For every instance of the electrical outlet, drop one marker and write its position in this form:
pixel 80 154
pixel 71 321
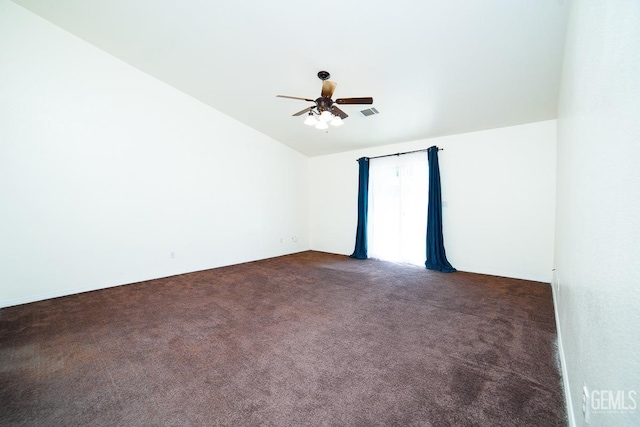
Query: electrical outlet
pixel 172 255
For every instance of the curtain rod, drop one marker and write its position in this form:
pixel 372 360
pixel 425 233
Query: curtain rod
pixel 399 154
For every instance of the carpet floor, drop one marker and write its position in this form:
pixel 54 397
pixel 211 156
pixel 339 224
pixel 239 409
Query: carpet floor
pixel 310 339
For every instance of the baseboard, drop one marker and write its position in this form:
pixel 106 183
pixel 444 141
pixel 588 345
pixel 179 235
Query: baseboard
pixel 531 278
pixel 50 295
pixel 65 292
pixel 563 364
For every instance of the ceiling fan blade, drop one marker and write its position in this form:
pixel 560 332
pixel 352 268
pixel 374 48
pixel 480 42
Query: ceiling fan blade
pixel 354 101
pixel 306 110
pixel 328 88
pixel 295 97
pixel 338 112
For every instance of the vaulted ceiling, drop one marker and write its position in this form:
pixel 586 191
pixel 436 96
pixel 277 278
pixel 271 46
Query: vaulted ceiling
pixel 433 67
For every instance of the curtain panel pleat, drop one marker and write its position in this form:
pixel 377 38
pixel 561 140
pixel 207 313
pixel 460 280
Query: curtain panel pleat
pixel 360 251
pixel 436 256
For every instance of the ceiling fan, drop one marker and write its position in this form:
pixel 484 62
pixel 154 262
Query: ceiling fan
pixel 324 107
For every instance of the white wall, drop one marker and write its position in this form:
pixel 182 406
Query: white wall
pixel 105 171
pixel 499 188
pixel 597 251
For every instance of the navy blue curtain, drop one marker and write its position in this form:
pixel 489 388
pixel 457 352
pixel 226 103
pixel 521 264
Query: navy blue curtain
pixel 436 257
pixel 360 251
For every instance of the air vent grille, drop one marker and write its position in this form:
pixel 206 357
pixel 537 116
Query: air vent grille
pixel 369 112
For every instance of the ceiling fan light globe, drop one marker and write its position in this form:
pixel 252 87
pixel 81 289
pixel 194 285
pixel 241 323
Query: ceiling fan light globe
pixel 337 121
pixel 326 116
pixel 322 125
pixel 310 120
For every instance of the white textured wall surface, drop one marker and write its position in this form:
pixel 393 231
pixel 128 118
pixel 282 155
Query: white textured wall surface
pixel 105 171
pixel 597 251
pixel 498 186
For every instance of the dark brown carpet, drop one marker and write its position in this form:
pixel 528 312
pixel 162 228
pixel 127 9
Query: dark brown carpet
pixel 310 339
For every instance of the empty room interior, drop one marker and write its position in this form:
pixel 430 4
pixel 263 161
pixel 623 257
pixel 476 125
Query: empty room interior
pixel 422 213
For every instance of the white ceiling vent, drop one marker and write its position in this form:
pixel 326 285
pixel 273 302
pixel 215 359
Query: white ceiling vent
pixel 369 112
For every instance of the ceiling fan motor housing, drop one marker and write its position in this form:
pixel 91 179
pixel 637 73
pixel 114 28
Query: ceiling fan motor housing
pixel 324 104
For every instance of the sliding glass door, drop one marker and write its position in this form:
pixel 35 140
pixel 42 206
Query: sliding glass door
pixel 398 192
